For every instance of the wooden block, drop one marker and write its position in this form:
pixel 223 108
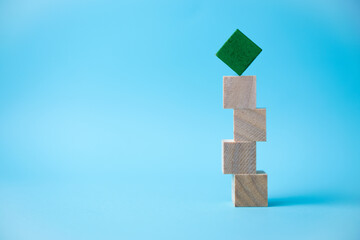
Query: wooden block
pixel 238 157
pixel 250 124
pixel 250 190
pixel 239 92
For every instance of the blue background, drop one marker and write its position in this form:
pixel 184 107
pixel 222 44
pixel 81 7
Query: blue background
pixel 111 119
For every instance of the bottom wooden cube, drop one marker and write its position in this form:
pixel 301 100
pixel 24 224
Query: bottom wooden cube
pixel 250 190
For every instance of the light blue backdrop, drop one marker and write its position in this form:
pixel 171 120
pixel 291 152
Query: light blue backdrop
pixel 111 119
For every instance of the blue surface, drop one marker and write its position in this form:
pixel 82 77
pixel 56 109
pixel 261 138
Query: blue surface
pixel 111 126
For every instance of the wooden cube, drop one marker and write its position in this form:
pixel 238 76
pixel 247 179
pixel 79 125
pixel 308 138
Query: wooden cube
pixel 250 124
pixel 238 157
pixel 239 92
pixel 250 190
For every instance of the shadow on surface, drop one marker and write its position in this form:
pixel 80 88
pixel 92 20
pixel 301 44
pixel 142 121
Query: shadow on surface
pixel 307 200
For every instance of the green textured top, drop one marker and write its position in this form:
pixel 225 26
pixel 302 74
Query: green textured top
pixel 238 52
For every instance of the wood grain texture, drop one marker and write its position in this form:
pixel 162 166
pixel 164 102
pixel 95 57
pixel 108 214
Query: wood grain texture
pixel 250 190
pixel 250 124
pixel 239 92
pixel 238 157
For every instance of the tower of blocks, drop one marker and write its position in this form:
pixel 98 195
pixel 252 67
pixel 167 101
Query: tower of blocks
pixel 249 186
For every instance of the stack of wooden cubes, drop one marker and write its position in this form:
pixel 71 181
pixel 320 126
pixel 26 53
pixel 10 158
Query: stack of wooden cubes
pixel 249 186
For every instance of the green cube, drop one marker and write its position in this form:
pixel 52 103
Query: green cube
pixel 238 52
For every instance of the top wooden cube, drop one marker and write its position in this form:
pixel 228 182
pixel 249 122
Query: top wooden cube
pixel 239 92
